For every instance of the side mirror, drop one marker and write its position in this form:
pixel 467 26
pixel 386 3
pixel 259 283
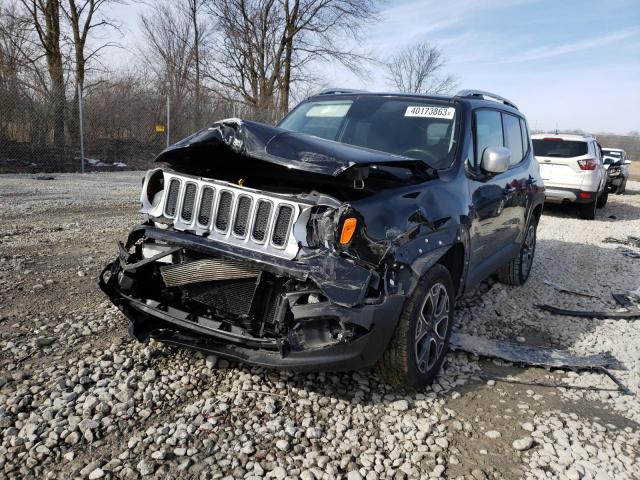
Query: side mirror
pixel 495 159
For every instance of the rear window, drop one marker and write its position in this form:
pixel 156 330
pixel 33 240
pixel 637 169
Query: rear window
pixel 557 147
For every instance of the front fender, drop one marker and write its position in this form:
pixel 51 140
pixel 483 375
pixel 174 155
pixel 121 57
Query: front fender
pixel 422 253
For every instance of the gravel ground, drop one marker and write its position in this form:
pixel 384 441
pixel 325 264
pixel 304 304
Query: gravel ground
pixel 79 399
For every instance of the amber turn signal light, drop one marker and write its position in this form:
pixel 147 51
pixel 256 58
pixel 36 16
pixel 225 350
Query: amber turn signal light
pixel 348 229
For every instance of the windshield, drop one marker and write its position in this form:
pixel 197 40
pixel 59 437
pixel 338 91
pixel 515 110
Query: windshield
pixel 612 153
pixel 557 147
pixel 421 129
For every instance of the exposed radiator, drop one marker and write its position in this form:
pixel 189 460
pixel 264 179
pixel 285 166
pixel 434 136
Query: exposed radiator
pixel 207 270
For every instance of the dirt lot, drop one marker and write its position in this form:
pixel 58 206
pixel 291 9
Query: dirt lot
pixel 78 398
pixel 634 170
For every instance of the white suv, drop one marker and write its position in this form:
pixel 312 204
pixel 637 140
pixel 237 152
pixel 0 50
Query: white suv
pixel 572 170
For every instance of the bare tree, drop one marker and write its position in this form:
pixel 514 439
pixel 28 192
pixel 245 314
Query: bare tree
pixel 419 69
pixel 200 33
pixel 174 50
pixel 322 30
pixel 45 15
pixel 168 48
pixel 264 46
pixel 85 17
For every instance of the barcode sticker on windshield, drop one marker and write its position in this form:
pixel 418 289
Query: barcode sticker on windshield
pixel 430 112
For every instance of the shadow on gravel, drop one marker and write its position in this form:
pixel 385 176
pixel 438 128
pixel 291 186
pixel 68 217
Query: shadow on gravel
pixel 615 206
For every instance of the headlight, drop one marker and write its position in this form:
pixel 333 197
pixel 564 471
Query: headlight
pixel 614 172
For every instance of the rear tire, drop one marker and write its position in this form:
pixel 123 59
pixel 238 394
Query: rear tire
pixel 421 338
pixel 587 211
pixel 517 271
pixel 602 199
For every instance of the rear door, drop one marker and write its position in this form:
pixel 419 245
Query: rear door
pixel 559 161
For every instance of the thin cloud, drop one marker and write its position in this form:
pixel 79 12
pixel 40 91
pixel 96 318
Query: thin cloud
pixel 414 21
pixel 564 49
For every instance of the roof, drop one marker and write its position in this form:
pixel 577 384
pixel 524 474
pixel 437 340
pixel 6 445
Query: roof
pixel 613 149
pixel 350 92
pixel 470 95
pixel 564 136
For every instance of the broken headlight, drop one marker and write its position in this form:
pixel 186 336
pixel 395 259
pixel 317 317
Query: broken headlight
pixel 152 190
pixel 155 187
pixel 321 227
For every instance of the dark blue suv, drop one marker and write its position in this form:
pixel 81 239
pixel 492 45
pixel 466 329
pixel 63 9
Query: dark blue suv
pixel 339 239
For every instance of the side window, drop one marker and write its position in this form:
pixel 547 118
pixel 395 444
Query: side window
pixel 488 131
pixel 525 136
pixel 513 137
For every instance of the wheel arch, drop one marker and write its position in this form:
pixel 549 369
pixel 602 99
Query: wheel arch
pixel 537 212
pixel 454 261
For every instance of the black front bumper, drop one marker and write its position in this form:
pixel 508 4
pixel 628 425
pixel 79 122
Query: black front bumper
pixel 149 319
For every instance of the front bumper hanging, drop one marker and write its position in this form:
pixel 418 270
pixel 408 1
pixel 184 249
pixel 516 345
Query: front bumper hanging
pixel 149 318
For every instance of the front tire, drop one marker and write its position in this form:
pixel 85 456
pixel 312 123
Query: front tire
pixel 421 339
pixel 517 271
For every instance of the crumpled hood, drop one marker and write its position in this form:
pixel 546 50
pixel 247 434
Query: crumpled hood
pixel 283 147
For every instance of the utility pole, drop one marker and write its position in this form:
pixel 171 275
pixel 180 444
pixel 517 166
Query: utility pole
pixel 168 118
pixel 80 119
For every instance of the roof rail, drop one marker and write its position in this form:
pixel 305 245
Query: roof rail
pixel 331 91
pixel 483 94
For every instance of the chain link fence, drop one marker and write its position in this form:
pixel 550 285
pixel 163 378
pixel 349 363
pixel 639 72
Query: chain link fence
pixel 109 129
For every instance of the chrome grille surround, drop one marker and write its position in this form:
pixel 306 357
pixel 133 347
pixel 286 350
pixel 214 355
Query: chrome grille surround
pixel 248 227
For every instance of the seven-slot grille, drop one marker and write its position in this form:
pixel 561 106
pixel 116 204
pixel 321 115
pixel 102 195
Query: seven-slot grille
pixel 232 215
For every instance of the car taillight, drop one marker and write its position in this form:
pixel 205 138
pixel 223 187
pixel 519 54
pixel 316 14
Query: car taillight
pixel 587 164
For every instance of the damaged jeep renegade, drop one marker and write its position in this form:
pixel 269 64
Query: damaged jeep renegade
pixel 339 239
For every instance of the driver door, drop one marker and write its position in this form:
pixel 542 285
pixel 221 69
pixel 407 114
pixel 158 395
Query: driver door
pixel 497 199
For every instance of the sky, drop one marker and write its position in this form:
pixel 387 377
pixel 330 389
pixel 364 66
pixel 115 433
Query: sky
pixel 566 64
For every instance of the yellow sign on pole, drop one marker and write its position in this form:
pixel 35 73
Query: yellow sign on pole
pixel 160 128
